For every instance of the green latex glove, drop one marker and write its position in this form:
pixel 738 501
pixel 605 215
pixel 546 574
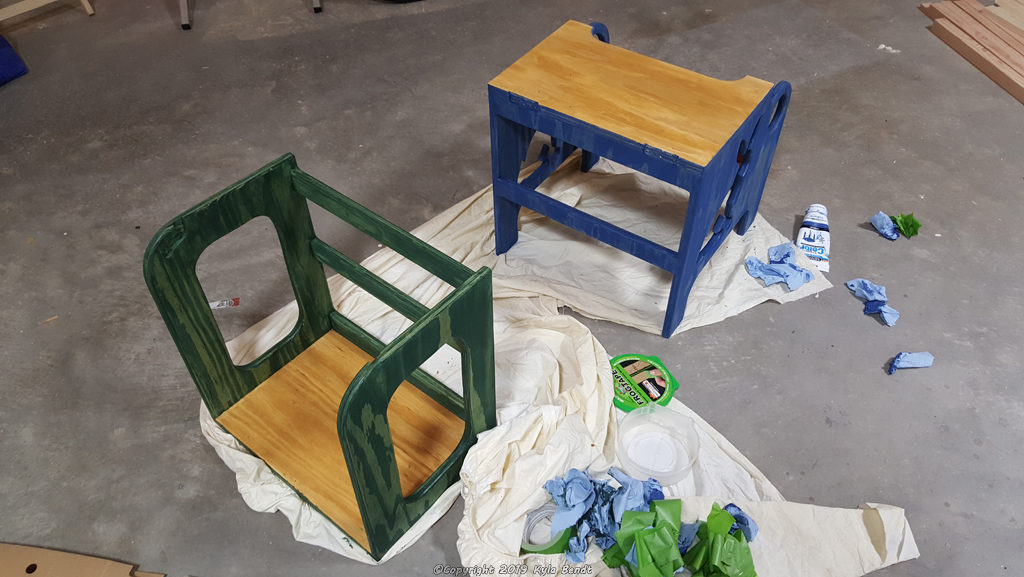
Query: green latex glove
pixel 907 224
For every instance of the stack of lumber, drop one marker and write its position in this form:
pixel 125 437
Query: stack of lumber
pixel 989 37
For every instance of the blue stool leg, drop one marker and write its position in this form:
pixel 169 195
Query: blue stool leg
pixel 750 180
pixel 509 143
pixel 684 275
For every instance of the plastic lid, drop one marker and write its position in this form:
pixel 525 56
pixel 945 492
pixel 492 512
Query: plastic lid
pixel 655 441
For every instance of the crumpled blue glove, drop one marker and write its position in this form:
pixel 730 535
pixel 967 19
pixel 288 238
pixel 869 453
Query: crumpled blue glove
pixel 781 268
pixel 634 495
pixel 687 535
pixel 743 522
pixel 866 290
pixel 875 299
pixel 578 545
pixel 599 517
pixel 573 496
pixel 911 361
pixel 888 314
pixel 885 226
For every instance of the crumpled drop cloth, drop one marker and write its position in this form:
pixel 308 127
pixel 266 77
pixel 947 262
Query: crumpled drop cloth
pixel 553 381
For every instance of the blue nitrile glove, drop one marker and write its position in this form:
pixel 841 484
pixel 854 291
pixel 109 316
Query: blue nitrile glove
pixel 599 517
pixel 888 314
pixel 911 361
pixel 687 535
pixel 634 495
pixel 781 268
pixel 578 545
pixel 885 226
pixel 743 522
pixel 866 290
pixel 573 496
pixel 631 556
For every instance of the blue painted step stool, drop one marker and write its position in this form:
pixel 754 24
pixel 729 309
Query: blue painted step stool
pixel 711 137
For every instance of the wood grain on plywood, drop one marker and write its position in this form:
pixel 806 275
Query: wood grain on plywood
pixel 290 421
pixel 1000 73
pixel 643 99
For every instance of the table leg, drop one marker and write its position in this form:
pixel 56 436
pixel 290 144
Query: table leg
pixel 186 20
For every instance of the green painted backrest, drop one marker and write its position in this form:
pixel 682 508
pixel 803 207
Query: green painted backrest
pixel 170 270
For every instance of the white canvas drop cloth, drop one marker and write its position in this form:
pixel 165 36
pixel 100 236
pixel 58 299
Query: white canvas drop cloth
pixel 553 381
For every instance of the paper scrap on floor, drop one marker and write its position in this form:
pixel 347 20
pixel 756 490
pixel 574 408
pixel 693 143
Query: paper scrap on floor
pixel 553 381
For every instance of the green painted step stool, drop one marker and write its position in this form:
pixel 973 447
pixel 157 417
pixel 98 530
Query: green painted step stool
pixel 352 424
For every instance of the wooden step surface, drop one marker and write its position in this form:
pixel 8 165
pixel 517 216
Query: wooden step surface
pixel 640 98
pixel 290 421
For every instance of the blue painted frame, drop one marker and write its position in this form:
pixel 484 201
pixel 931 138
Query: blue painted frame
pixel 738 171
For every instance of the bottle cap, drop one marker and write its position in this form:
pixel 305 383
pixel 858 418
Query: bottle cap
pixel 817 208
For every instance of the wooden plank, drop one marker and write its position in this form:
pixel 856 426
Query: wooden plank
pixel 978 12
pixel 640 98
pixel 963 20
pixel 1013 7
pixel 19 8
pixel 43 562
pixel 1006 19
pixel 290 421
pixel 982 59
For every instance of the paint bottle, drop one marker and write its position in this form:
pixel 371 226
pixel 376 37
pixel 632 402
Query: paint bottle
pixel 813 238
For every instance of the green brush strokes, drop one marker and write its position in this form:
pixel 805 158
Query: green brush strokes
pixel 907 224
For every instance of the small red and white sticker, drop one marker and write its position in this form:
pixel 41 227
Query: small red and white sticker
pixel 224 304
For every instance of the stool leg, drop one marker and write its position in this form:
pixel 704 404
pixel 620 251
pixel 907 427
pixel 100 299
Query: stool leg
pixel 750 180
pixel 509 143
pixel 685 274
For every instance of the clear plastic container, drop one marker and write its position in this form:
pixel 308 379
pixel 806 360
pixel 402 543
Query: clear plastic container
pixel 655 441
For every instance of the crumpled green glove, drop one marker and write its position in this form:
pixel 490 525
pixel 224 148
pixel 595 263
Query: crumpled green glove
pixel 907 224
pixel 717 553
pixel 647 541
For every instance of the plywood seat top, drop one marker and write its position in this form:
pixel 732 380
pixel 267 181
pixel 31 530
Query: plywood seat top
pixel 640 98
pixel 290 421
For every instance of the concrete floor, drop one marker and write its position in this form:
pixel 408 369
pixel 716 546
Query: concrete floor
pixel 125 120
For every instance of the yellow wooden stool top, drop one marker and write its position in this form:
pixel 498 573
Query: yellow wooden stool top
pixel 290 421
pixel 637 97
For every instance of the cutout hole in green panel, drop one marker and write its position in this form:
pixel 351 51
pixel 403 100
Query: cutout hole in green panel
pixel 247 265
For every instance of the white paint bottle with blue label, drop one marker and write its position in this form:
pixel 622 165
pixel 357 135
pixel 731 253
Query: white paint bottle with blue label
pixel 813 238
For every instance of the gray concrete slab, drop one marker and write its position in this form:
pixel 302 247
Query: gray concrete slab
pixel 124 120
